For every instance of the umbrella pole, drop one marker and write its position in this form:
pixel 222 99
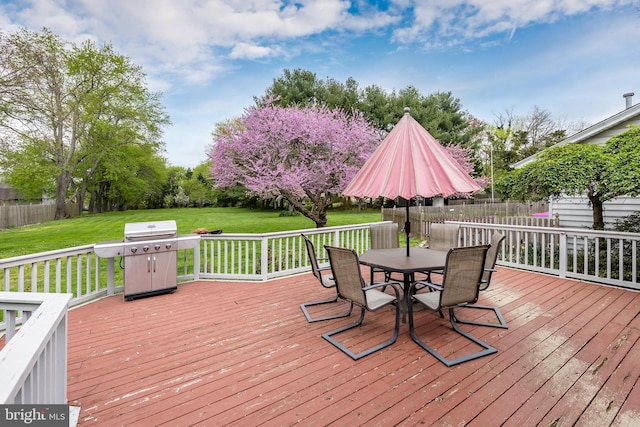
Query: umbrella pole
pixel 407 226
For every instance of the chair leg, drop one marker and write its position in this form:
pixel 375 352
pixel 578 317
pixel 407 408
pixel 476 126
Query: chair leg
pixel 449 362
pixel 310 319
pixel 487 348
pixel 355 356
pixel 501 322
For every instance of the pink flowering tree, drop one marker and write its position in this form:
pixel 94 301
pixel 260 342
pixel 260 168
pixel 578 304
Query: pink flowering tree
pixel 463 156
pixel 304 155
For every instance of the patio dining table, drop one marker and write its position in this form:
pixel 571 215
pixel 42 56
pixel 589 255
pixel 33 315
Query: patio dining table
pixel 395 260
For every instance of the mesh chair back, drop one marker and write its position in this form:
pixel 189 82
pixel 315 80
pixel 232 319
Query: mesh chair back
pixel 384 236
pixel 443 237
pixel 462 274
pixel 492 256
pixel 311 251
pixel 345 268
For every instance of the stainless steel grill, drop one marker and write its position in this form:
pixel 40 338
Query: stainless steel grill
pixel 150 258
pixel 149 252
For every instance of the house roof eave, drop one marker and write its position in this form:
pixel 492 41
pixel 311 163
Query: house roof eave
pixel 589 132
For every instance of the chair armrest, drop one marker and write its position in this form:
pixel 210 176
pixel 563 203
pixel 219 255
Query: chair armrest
pixel 379 285
pixel 394 286
pixel 424 283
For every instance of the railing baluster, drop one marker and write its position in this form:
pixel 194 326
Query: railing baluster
pixel 621 259
pixel 634 266
pixel 47 275
pixel 58 275
pixel 609 258
pixel 596 245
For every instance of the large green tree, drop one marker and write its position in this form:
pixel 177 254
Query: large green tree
pixel 65 109
pixel 564 170
pixel 132 178
pixel 440 113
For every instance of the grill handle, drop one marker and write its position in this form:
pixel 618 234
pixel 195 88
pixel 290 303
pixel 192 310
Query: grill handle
pixel 148 264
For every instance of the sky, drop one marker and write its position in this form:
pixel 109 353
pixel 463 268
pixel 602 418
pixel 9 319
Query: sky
pixel 210 58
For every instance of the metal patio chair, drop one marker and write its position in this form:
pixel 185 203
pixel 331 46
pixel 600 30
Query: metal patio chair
pixel 383 236
pixel 460 287
pixel 489 269
pixel 352 287
pixel 325 280
pixel 443 237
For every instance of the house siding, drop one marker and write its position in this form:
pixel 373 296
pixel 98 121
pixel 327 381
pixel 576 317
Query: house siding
pixel 576 212
pixel 603 137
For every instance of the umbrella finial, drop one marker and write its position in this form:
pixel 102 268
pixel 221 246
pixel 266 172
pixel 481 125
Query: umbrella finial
pixel 406 110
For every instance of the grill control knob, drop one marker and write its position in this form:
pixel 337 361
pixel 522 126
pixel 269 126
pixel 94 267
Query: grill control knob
pixel 145 248
pixel 168 246
pixel 157 247
pixel 134 249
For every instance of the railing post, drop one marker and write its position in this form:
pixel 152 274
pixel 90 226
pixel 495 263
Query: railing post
pixel 264 258
pixel 111 289
pixel 562 256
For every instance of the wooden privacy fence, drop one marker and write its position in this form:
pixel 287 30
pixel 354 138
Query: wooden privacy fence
pixel 421 217
pixel 21 215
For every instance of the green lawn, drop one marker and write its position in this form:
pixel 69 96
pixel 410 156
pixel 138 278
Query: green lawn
pixel 90 229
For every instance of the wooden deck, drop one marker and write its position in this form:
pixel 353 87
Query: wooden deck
pixel 228 353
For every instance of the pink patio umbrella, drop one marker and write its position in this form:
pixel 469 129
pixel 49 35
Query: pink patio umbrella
pixel 410 163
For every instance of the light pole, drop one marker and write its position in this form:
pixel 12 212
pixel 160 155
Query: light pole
pixel 492 201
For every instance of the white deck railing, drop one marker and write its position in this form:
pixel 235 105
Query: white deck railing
pixel 599 256
pixel 33 362
pixel 271 255
pixel 606 257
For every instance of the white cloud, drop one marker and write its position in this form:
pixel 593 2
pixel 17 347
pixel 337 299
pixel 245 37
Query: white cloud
pixel 449 22
pixel 249 51
pixel 191 39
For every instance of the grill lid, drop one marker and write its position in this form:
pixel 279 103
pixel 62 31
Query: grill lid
pixel 150 230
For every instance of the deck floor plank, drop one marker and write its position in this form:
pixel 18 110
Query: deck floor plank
pixel 238 353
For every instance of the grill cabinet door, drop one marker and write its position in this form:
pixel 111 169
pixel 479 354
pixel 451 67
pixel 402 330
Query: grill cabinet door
pixel 137 274
pixel 163 270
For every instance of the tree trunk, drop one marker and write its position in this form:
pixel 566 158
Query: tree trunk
pixel 318 212
pixel 596 206
pixel 80 199
pixel 321 219
pixel 61 195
